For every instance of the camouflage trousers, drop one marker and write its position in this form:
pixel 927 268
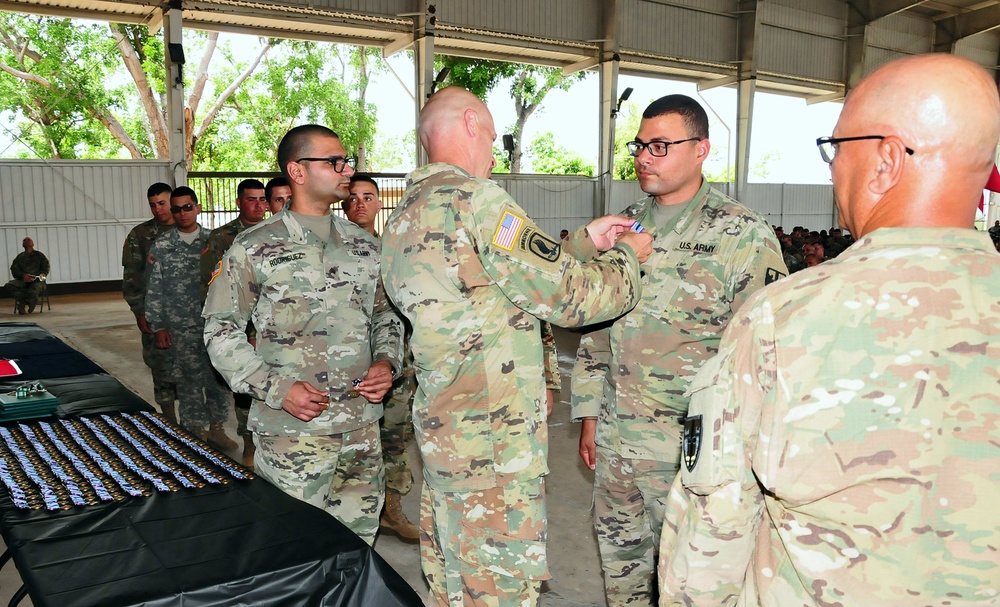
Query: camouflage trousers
pixel 397 433
pixel 241 408
pixel 25 292
pixel 164 390
pixel 203 399
pixel 484 548
pixel 630 498
pixel 342 473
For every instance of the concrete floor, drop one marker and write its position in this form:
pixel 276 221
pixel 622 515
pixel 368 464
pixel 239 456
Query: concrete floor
pixel 100 326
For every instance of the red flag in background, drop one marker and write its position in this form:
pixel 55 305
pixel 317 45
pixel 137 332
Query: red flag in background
pixel 992 184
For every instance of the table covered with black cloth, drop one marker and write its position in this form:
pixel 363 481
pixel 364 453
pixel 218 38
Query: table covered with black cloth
pixel 240 543
pixel 41 355
pixel 245 543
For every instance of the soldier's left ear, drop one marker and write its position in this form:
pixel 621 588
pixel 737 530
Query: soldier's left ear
pixel 704 146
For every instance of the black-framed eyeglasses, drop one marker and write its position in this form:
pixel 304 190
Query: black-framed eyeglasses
pixel 187 208
pixel 337 162
pixel 655 148
pixel 828 145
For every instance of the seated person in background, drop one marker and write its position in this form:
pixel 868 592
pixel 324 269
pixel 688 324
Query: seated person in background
pixel 29 270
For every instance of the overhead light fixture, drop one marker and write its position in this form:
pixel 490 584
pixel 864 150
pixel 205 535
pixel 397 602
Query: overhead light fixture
pixel 441 77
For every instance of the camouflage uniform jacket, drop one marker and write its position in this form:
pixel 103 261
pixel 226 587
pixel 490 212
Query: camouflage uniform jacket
pixel 474 275
pixel 172 300
pixel 321 317
pixel 135 253
pixel 34 263
pixel 219 241
pixel 633 374
pixel 849 448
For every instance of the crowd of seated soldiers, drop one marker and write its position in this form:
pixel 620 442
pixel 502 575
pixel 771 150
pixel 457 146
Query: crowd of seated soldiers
pixel 802 248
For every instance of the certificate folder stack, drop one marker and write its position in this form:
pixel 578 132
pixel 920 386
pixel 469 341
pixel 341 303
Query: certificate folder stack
pixel 36 404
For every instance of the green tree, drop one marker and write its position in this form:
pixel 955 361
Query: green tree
pixel 81 90
pixel 550 158
pixel 529 84
pixel 626 126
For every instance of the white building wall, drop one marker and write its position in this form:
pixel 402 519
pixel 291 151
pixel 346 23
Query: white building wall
pixel 77 212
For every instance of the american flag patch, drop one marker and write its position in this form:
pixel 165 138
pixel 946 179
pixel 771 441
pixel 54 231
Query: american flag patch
pixel 510 225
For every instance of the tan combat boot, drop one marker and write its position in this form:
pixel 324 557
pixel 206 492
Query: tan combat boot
pixel 217 437
pixel 394 519
pixel 249 449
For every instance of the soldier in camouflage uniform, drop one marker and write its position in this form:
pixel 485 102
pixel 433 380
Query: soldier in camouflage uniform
pixel 172 306
pixel 473 274
pixel 135 254
pixel 843 448
pixel 310 282
pixel 277 193
pixel 396 427
pixel 709 254
pixel 29 269
pixel 251 202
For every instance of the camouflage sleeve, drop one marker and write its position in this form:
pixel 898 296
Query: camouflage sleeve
pixel 756 261
pixel 232 297
pixel 715 504
pixel 17 267
pixel 45 266
pixel 550 358
pixel 210 258
pixel 537 276
pixel 133 266
pixel 155 294
pixel 387 331
pixel 590 373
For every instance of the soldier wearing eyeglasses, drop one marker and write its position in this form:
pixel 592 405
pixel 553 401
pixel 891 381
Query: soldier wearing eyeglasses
pixel 173 302
pixel 328 346
pixel 849 445
pixel 629 382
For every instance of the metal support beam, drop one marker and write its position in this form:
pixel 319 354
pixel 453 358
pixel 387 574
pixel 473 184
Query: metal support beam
pixel 952 29
pixel 423 64
pixel 397 45
pixel 873 11
pixel 608 72
pixel 748 26
pixel 579 66
pixel 704 85
pixel 856 48
pixel 173 34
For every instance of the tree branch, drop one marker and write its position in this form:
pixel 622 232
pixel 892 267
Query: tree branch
pixel 133 63
pixel 226 94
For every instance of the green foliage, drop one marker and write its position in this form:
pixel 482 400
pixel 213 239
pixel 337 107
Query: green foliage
pixel 550 158
pixel 56 104
pixel 478 76
pixel 74 84
pixel 626 126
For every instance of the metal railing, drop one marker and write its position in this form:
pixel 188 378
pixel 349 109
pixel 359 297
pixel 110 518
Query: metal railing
pixel 217 195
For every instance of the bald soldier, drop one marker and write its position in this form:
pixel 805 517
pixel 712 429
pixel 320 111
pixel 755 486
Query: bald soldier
pixel 842 449
pixel 474 276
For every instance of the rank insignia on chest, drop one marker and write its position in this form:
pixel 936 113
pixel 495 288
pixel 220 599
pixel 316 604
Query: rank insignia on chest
pixel 691 441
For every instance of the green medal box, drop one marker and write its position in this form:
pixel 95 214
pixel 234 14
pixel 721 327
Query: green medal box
pixel 38 403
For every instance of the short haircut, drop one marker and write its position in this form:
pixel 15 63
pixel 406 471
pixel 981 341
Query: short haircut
pixel 183 191
pixel 296 141
pixel 275 182
pixel 695 118
pixel 157 188
pixel 366 179
pixel 248 184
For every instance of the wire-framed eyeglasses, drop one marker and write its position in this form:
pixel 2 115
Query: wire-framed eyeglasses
pixel 828 145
